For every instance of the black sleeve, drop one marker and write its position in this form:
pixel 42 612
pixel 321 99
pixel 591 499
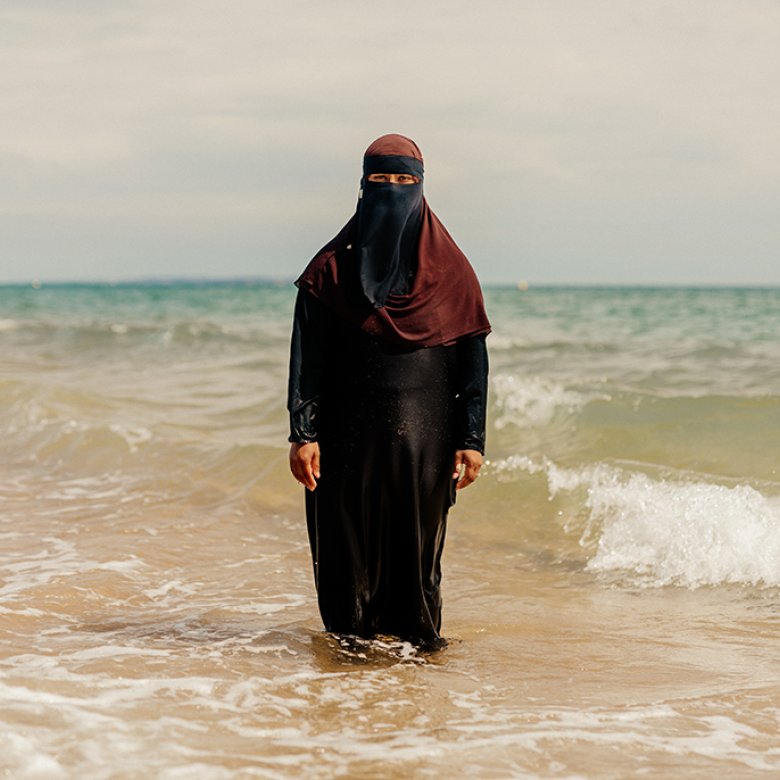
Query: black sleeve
pixel 472 375
pixel 307 358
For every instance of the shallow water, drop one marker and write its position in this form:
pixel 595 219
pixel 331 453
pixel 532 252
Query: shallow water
pixel 611 582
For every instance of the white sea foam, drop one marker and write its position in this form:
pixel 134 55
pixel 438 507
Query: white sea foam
pixel 668 531
pixel 165 588
pixel 719 736
pixel 87 488
pixel 265 608
pixel 276 711
pixel 58 558
pixel 133 435
pixel 534 400
pixel 507 468
pixel 28 762
pixel 692 534
pixel 114 651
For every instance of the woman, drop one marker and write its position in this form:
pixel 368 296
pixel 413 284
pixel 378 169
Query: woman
pixel 388 385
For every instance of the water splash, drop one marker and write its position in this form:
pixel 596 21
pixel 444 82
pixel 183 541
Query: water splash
pixel 678 530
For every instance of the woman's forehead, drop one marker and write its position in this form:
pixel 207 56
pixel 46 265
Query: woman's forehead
pixel 394 145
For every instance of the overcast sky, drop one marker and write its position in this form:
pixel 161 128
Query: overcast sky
pixel 567 142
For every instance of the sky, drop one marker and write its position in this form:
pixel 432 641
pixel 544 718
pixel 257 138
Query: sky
pixel 579 142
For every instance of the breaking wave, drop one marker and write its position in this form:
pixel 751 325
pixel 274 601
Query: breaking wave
pixel 665 530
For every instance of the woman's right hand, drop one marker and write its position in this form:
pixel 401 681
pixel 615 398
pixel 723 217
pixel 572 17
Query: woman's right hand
pixel 305 463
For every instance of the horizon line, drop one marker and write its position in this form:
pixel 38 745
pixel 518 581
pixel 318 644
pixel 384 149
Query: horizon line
pixel 241 279
pixel 250 279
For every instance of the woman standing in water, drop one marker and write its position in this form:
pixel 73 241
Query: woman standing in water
pixel 387 395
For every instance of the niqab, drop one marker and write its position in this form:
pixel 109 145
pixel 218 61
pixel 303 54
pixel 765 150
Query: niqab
pixel 394 270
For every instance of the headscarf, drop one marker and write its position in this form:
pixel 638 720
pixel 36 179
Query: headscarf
pixel 394 270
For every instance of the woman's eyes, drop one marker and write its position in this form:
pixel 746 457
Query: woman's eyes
pixel 397 178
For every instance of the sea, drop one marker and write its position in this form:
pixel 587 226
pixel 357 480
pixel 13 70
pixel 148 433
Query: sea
pixel 611 581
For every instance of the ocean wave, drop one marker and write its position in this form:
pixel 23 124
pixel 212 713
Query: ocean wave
pixel 122 334
pixel 535 400
pixel 199 403
pixel 631 422
pixel 81 453
pixel 665 530
pixel 139 456
pixel 46 423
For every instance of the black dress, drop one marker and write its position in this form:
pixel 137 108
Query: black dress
pixel 388 422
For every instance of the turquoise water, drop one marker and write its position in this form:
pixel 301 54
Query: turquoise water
pixel 610 585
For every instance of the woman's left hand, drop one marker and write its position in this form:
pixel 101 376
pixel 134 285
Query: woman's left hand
pixel 469 462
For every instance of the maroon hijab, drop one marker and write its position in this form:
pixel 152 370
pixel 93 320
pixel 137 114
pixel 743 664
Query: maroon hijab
pixel 443 302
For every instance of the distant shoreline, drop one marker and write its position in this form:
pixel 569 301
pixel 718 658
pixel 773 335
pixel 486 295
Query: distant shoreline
pixel 259 281
pixel 164 281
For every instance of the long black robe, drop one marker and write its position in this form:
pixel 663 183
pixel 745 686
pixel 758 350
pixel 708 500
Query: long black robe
pixel 388 422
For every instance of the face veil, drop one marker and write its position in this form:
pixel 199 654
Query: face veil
pixel 393 270
pixel 389 218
